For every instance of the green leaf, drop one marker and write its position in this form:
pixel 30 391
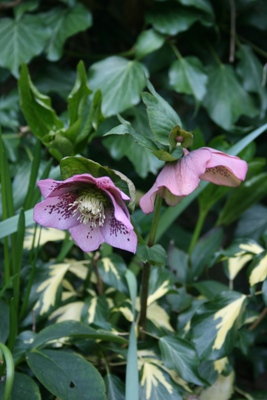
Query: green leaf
pixel 250 71
pixel 215 327
pixel 21 40
pixel 226 100
pixel 64 23
pixel 178 264
pixel 155 255
pixel 36 107
pixel 78 95
pixel 111 270
pixel 72 329
pixel 259 271
pixel 159 284
pixel 120 81
pixel 155 381
pixel 165 156
pixel 162 117
pixel 187 76
pixel 66 375
pixel 115 387
pixel 24 387
pixel 203 5
pixel 10 225
pixel 141 158
pixel 170 19
pixel 250 192
pixel 222 389
pixel 204 252
pixel 180 355
pixel 210 288
pixel 147 42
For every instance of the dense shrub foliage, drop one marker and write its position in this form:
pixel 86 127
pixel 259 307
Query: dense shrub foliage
pixel 116 90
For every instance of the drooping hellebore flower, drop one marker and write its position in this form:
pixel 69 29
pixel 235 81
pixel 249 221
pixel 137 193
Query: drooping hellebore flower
pixel 180 178
pixel 91 209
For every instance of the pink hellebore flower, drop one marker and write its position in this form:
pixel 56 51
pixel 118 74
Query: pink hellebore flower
pixel 92 209
pixel 179 179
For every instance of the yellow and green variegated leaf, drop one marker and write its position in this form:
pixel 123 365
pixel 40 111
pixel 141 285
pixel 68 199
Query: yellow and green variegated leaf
pixel 111 270
pixel 156 384
pixel 159 284
pixel 71 311
pixel 159 316
pixel 214 328
pixel 96 311
pixel 221 364
pixel 241 254
pixel 42 236
pixel 222 389
pixel 126 310
pixel 259 271
pixel 80 269
pixel 49 288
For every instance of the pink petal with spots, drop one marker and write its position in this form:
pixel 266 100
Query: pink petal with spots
pixel 53 213
pixel 46 186
pixel 86 237
pixel 118 235
pixel 121 212
pixel 223 169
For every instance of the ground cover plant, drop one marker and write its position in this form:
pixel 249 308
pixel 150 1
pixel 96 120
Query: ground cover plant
pixel 133 228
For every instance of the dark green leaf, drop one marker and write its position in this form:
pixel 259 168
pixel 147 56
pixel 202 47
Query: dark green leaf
pixel 203 253
pixel 66 375
pixel 243 197
pixel 170 19
pixel 24 387
pixel 115 387
pixel 226 100
pixel 162 117
pixel 210 288
pixel 36 107
pixel 120 81
pixel 21 40
pixel 178 263
pixel 4 318
pixel 62 24
pixel 203 5
pixel 147 42
pixel 187 76
pixel 155 255
pixel 180 355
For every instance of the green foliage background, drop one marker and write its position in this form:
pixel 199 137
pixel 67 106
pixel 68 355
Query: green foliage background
pixel 109 80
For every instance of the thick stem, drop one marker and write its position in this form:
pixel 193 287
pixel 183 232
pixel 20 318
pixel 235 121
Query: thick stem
pixel 146 268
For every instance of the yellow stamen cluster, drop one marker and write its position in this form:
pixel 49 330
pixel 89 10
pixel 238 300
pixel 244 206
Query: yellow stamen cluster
pixel 90 207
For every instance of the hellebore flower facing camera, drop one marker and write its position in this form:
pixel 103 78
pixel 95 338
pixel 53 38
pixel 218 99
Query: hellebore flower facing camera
pixel 180 178
pixel 91 209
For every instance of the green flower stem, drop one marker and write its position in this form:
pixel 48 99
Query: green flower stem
pixel 201 219
pixel 10 371
pixel 146 267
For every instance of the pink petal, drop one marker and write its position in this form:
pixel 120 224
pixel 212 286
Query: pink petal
pixel 54 213
pixel 46 186
pixel 88 238
pixel 121 212
pixel 223 169
pixel 118 235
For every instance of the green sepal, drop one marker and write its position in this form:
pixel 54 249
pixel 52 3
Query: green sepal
pixel 178 132
pixel 165 156
pixel 70 166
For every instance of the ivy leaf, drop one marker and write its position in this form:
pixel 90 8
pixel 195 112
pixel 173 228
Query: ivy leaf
pixel 147 42
pixel 214 327
pixel 259 271
pixel 187 76
pixel 162 117
pixel 66 375
pixel 155 255
pixel 21 40
pixel 120 81
pixel 226 100
pixel 159 284
pixel 250 70
pixel 64 23
pixel 155 382
pixel 249 193
pixel 111 270
pixel 179 354
pixel 171 19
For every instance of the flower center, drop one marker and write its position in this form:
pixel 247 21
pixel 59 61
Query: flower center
pixel 90 205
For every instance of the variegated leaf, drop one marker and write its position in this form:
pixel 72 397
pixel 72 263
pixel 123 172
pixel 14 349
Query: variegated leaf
pixel 111 270
pixel 259 271
pixel 42 236
pixel 222 389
